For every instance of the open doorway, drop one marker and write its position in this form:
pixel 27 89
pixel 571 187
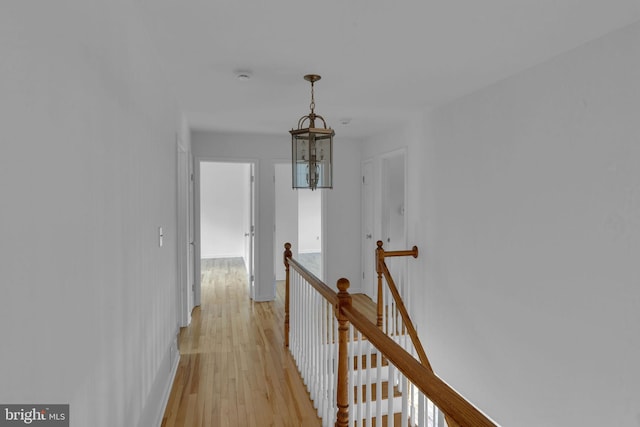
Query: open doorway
pixel 299 222
pixel 225 217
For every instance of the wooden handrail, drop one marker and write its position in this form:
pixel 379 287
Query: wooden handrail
pixel 458 411
pixel 324 290
pixel 413 334
pixel 383 270
pixel 386 254
pixel 381 254
pixel 328 293
pixel 441 394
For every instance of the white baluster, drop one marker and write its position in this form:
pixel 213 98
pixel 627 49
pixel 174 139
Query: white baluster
pixel 358 383
pixel 390 394
pixel 324 360
pixel 305 334
pixel 308 336
pixel 413 400
pixel 378 388
pixel 405 400
pixel 422 414
pixel 350 375
pixel 313 348
pixel 368 380
pixel 328 362
pixel 334 372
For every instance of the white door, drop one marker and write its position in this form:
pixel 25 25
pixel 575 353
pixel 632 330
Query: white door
pixel 369 276
pixel 185 248
pixel 393 203
pixel 182 232
pixel 393 213
pixel 250 233
pixel 191 257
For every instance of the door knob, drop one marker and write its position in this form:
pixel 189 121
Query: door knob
pixel 368 236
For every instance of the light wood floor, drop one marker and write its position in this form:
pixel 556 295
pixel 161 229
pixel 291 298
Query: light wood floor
pixel 234 369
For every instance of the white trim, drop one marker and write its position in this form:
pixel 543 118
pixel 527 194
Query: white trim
pixel 167 389
pixel 221 255
pixel 196 215
pixel 182 241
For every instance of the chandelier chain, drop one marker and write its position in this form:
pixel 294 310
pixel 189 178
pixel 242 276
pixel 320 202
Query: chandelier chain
pixel 312 106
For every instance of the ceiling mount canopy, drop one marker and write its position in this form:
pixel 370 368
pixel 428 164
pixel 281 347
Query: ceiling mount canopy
pixel 312 148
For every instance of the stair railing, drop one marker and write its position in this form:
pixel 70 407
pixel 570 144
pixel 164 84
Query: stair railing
pixel 311 333
pixel 383 271
pixel 347 362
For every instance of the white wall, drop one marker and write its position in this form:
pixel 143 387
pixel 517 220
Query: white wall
pixel 286 217
pixel 342 216
pixel 528 207
pixel 413 140
pixel 223 209
pixel 87 175
pixel 538 207
pixel 342 219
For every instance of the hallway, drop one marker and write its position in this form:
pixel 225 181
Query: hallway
pixel 234 369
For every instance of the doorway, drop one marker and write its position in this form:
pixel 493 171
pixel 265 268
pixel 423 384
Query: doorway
pixel 298 216
pixel 225 216
pixel 392 221
pixel 369 276
pixel 393 201
pixel 383 201
pixel 185 233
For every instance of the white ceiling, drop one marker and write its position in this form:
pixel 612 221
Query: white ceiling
pixel 380 60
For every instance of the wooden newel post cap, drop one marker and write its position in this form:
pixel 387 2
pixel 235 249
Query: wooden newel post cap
pixel 344 298
pixel 379 243
pixel 343 285
pixel 287 254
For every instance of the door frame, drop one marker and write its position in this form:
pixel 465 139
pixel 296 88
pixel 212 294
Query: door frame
pixel 401 152
pixel 368 227
pixel 398 266
pixel 377 181
pixel 184 172
pixel 196 215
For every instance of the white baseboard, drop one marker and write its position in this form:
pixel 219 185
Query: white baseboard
pixel 220 255
pixel 167 390
pixel 158 396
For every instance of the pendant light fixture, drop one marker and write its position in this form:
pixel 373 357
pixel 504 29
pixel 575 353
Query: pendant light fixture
pixel 312 149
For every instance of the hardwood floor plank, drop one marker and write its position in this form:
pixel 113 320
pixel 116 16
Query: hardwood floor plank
pixel 234 369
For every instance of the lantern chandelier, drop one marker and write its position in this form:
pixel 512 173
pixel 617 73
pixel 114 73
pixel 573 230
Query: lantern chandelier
pixel 312 149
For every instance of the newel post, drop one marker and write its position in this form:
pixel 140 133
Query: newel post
pixel 344 301
pixel 287 255
pixel 379 270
